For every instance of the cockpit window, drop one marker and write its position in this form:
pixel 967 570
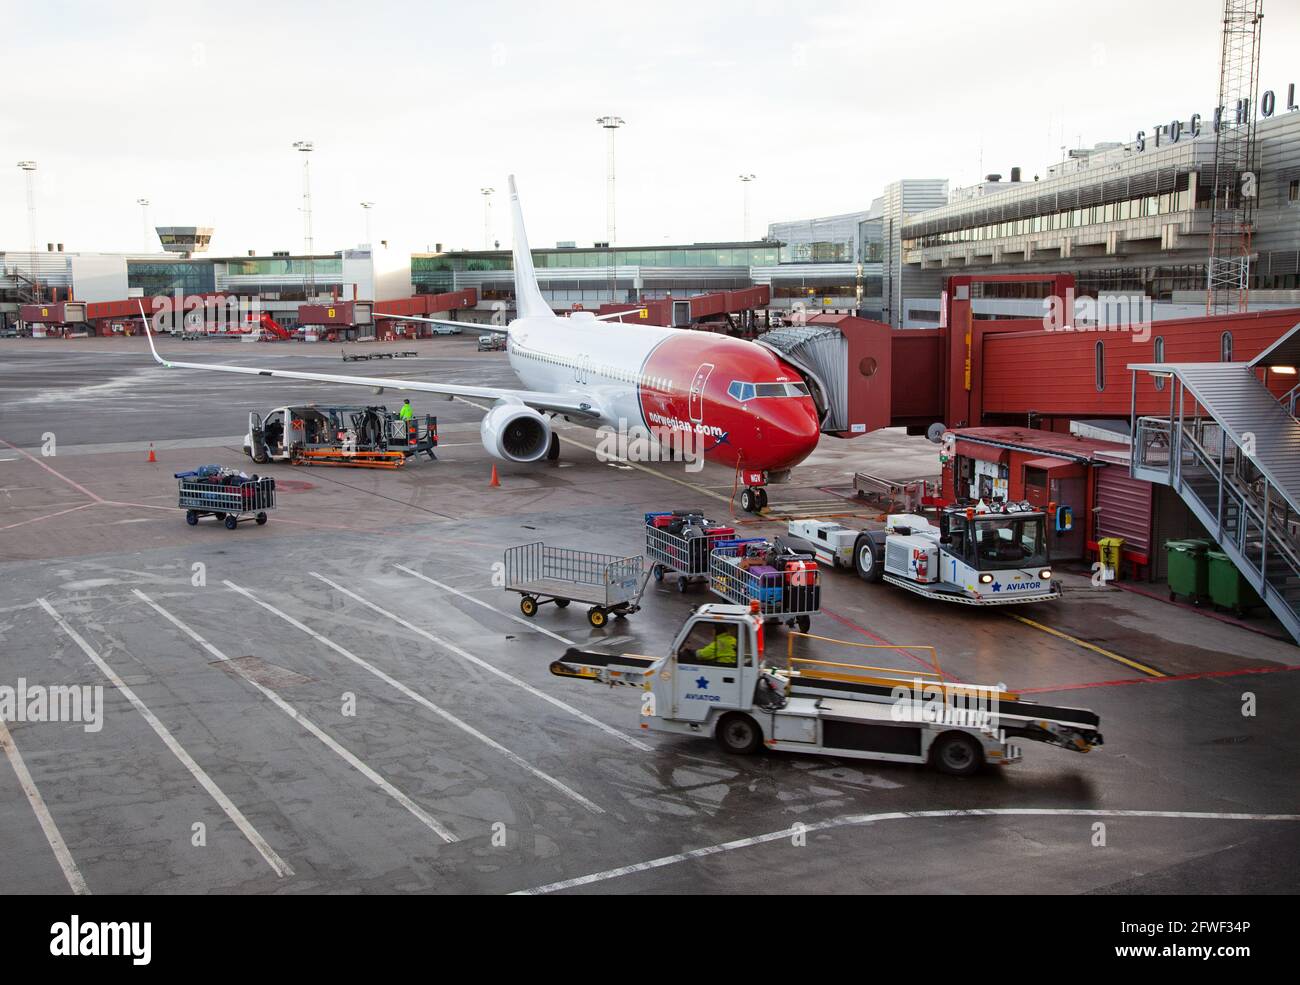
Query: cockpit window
pixel 748 391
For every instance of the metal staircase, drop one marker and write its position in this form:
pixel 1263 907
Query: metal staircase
pixel 1231 450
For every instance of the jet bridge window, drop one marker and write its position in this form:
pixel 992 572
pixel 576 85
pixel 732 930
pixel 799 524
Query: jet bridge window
pixel 710 644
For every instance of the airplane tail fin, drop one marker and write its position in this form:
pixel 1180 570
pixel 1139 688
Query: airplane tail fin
pixel 528 296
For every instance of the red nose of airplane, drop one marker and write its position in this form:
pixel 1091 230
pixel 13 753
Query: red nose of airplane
pixel 789 431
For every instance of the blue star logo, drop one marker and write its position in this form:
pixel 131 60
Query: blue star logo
pixel 997 586
pixel 702 683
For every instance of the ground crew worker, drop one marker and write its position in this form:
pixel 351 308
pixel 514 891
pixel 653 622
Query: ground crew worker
pixel 722 650
pixel 406 413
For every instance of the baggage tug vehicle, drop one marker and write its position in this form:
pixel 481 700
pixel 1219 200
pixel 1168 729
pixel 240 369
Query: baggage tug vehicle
pixel 713 682
pixel 974 554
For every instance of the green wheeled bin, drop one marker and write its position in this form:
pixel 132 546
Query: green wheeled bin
pixel 1188 575
pixel 1228 589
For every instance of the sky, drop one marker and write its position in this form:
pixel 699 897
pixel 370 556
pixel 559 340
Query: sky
pixel 416 107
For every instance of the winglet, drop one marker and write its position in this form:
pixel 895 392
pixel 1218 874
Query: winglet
pixel 149 335
pixel 528 297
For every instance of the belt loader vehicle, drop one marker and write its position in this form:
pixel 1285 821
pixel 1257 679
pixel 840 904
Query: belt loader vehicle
pixel 713 682
pixel 973 554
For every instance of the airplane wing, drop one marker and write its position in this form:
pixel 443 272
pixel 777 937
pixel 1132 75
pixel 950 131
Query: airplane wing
pixel 561 403
pixel 475 326
pixel 620 315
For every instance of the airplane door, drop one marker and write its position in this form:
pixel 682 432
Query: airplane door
pixel 696 400
pixel 256 442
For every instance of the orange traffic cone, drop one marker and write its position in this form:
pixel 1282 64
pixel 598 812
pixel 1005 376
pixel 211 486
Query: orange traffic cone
pixel 152 456
pixel 495 481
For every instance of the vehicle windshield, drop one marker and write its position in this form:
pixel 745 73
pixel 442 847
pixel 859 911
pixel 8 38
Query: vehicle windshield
pixel 1009 542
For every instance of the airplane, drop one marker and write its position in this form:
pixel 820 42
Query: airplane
pixel 732 401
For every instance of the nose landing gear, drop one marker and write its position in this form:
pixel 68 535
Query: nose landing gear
pixel 753 498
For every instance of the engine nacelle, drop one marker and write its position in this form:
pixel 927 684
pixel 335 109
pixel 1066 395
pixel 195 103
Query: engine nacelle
pixel 516 433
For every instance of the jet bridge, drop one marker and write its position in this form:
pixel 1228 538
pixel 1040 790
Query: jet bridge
pixel 845 361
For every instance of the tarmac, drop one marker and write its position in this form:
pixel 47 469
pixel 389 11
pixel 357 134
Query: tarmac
pixel 346 700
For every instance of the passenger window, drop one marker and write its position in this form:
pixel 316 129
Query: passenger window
pixel 710 644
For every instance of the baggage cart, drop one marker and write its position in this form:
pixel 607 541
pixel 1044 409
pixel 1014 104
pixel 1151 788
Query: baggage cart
pixel 609 584
pixel 790 596
pixel 201 496
pixel 680 553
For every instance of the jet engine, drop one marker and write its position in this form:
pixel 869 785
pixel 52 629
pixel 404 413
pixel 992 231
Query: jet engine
pixel 516 433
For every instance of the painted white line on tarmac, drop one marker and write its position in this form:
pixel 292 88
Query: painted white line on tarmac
pixel 76 882
pixel 416 810
pixel 491 608
pixel 478 662
pixel 279 865
pixel 421 699
pixel 849 820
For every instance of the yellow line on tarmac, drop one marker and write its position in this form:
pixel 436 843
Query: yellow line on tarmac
pixel 1108 654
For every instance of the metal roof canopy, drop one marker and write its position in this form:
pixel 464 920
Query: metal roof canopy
pixel 1284 352
pixel 1234 397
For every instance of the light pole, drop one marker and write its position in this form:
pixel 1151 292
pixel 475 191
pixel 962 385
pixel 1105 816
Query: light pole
pixel 29 169
pixel 745 180
pixel 610 125
pixel 367 206
pixel 487 216
pixel 305 147
pixel 144 223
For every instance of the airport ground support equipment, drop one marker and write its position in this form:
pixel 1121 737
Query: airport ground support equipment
pixel 679 542
pixel 713 682
pixel 785 584
pixel 227 494
pixel 831 543
pixel 356 437
pixel 607 583
pixel 974 554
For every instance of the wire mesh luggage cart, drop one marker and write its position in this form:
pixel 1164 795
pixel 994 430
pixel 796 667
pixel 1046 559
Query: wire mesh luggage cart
pixel 201 496
pixel 606 582
pixel 685 555
pixel 790 596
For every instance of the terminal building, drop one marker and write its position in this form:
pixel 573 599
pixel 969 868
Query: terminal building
pixel 1121 218
pixel 1124 219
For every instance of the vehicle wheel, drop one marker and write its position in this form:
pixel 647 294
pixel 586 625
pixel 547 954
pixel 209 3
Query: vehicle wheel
pixel 748 501
pixel 528 606
pixel 682 584
pixel 553 452
pixel 762 498
pixel 561 603
pixel 597 617
pixel 191 517
pixel 658 572
pixel 261 519
pixel 956 753
pixel 231 523
pixel 739 734
pixel 259 459
pixel 219 516
pixel 867 560
pixel 804 623
pixel 620 614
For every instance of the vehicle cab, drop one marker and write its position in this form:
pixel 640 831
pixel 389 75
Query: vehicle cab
pixel 995 551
